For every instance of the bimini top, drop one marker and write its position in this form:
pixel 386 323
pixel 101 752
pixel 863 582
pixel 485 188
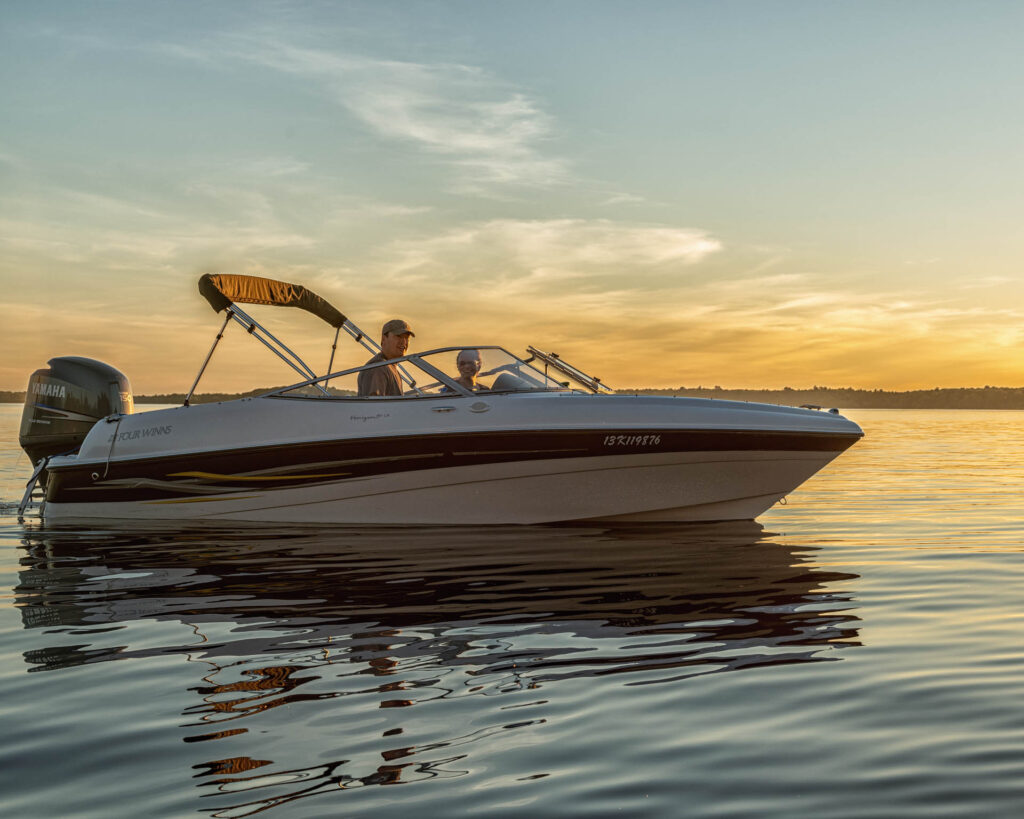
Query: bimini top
pixel 223 289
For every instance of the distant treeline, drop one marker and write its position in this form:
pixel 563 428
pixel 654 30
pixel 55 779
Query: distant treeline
pixel 849 398
pixel 843 398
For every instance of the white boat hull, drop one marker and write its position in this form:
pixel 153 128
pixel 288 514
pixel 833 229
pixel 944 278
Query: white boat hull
pixel 691 486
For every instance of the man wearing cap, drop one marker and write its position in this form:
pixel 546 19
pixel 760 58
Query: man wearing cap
pixel 394 341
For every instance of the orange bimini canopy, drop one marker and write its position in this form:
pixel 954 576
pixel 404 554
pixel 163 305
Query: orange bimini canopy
pixel 223 289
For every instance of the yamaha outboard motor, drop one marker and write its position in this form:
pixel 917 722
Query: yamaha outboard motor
pixel 63 403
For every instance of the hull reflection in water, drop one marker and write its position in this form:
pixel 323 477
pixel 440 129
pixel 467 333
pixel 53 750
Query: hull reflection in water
pixel 340 623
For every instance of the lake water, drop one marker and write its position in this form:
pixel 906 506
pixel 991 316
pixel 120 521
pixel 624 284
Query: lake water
pixel 859 653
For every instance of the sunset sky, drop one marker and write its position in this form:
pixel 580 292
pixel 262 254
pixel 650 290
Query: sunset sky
pixel 748 194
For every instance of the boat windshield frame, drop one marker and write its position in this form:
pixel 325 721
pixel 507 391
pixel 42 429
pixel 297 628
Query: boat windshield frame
pixel 591 383
pixel 514 375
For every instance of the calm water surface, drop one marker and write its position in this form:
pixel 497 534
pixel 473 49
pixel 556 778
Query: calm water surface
pixel 858 653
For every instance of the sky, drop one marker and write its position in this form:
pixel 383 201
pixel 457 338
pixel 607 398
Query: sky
pixel 747 194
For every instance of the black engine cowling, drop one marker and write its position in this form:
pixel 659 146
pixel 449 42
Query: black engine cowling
pixel 63 403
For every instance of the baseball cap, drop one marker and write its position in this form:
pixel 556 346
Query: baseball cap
pixel 397 327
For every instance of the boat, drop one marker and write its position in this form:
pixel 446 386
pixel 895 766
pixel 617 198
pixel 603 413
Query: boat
pixel 536 441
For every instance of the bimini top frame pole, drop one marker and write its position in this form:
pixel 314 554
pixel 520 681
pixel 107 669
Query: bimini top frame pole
pixel 209 355
pixel 224 291
pixel 266 338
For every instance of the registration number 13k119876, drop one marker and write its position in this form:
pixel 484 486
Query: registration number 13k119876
pixel 632 440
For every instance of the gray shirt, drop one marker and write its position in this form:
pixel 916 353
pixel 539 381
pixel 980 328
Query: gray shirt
pixel 379 380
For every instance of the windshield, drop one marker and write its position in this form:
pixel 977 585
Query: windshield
pixel 449 371
pixel 490 369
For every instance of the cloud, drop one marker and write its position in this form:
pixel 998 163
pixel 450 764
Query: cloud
pixel 569 277
pixel 622 199
pixel 983 282
pixel 273 166
pixel 516 253
pixel 110 233
pixel 644 305
pixel 493 134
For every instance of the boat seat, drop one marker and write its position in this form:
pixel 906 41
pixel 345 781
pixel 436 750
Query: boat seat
pixel 507 382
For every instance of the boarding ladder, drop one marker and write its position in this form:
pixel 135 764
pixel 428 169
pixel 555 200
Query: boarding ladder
pixel 34 492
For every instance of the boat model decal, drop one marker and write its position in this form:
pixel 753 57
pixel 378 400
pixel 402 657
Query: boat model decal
pixel 148 432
